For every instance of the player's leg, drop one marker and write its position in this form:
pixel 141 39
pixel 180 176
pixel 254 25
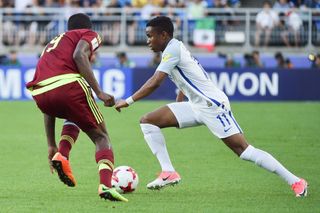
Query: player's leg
pixel 238 144
pixel 221 123
pixel 173 115
pixel 60 160
pixel 104 154
pixel 105 160
pixel 151 125
pixel 91 121
pixel 54 103
pixel 82 109
pixel 69 136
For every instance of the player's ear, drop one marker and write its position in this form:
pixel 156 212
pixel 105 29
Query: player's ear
pixel 164 35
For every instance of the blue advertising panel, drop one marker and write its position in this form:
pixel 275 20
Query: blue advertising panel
pixel 268 84
pixel 166 91
pixel 239 84
pixel 249 84
pixel 13 79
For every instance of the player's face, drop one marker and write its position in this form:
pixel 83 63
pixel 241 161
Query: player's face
pixel 155 40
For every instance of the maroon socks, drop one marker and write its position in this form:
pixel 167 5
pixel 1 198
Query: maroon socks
pixel 69 136
pixel 104 159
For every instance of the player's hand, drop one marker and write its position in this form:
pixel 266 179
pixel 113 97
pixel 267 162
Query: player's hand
pixel 121 104
pixel 52 150
pixel 107 99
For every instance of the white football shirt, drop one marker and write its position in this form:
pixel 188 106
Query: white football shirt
pixel 189 76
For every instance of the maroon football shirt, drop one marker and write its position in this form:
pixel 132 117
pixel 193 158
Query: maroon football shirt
pixel 57 56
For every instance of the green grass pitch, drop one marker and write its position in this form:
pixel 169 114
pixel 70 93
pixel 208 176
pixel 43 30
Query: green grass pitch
pixel 213 178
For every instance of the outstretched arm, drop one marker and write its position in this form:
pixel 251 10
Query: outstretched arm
pixel 151 85
pixel 49 124
pixel 147 88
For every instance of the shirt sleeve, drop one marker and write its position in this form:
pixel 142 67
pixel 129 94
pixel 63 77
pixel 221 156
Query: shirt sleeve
pixel 258 18
pixel 93 39
pixel 170 58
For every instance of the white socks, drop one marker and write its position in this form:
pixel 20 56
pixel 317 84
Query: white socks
pixel 268 162
pixel 157 144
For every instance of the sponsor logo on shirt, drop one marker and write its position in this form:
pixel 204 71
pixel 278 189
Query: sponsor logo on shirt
pixel 166 57
pixel 94 43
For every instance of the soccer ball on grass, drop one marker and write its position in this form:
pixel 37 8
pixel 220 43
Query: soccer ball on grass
pixel 124 179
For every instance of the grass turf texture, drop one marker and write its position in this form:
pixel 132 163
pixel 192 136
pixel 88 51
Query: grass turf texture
pixel 213 178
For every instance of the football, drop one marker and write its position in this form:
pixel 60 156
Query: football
pixel 125 179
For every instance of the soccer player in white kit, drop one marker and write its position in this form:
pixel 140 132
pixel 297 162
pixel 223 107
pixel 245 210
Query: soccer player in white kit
pixel 206 105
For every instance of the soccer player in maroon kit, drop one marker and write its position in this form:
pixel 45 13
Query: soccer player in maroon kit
pixel 61 88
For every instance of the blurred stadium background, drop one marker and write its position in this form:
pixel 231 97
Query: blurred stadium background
pixel 226 36
pixel 253 54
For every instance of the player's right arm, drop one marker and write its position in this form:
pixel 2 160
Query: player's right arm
pixel 81 57
pixel 49 124
pixel 170 59
pixel 147 88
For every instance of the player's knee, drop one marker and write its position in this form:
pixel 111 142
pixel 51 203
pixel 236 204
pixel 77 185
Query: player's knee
pixel 247 153
pixel 149 128
pixel 101 141
pixel 242 148
pixel 99 138
pixel 145 120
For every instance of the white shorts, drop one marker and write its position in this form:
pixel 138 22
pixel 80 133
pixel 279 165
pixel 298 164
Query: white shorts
pixel 219 121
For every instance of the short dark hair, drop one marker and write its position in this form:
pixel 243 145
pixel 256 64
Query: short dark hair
pixel 255 52
pixel 162 23
pixel 278 55
pixel 121 55
pixel 79 21
pixel 268 3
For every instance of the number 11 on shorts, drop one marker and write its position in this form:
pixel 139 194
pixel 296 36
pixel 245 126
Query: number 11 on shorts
pixel 224 121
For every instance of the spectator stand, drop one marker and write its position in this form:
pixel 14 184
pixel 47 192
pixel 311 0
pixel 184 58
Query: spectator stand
pixel 124 26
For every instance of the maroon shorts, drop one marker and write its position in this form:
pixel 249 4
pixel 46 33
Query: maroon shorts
pixel 74 102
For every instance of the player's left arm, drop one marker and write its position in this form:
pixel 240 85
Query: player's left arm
pixel 147 88
pixel 49 124
pixel 180 96
pixel 81 57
